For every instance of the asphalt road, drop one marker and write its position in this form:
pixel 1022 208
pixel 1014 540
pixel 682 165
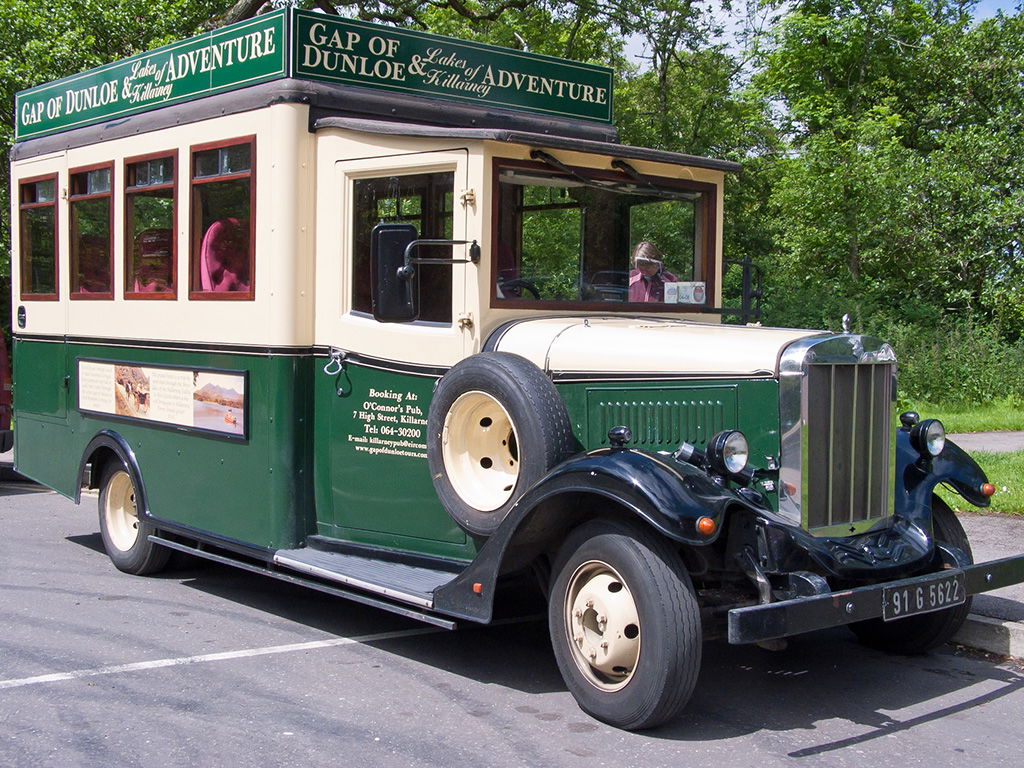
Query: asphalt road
pixel 207 666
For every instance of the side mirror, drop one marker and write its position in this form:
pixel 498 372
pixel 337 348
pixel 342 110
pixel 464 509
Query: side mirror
pixel 395 298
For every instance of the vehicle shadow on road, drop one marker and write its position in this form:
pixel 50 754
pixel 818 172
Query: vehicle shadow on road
pixel 828 676
pixel 742 689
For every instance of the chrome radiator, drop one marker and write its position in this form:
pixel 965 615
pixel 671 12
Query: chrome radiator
pixel 838 444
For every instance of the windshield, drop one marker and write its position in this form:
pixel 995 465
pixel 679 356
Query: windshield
pixel 597 239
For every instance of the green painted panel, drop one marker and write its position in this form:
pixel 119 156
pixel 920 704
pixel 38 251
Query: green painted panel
pixel 257 491
pixel 664 414
pixel 39 369
pixel 373 484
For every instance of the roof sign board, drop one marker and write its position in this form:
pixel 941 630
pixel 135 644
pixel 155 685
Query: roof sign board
pixel 246 53
pixel 341 50
pixel 313 46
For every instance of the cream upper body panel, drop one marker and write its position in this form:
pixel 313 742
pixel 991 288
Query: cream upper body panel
pixel 647 346
pixel 280 312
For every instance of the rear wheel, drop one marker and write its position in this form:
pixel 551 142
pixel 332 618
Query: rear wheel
pixel 919 634
pixel 625 625
pixel 125 534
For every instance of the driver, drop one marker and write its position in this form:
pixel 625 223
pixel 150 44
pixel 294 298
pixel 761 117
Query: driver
pixel 648 277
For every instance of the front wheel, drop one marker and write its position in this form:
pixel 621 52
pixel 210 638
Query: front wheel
pixel 125 534
pixel 919 634
pixel 625 625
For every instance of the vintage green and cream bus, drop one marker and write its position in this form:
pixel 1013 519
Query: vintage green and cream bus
pixel 396 316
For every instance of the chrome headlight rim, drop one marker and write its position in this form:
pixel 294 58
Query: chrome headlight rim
pixel 928 437
pixel 728 452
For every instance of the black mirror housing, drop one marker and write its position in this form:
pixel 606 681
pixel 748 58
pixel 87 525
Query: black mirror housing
pixel 395 297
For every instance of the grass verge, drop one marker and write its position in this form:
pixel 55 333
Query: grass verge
pixel 1006 472
pixel 997 415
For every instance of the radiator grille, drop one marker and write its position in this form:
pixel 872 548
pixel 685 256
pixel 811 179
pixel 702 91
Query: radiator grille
pixel 848 443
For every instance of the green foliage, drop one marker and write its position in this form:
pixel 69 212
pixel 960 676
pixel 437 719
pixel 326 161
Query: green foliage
pixel 955 363
pixel 1001 415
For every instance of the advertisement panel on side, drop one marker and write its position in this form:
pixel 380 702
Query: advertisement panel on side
pixel 202 400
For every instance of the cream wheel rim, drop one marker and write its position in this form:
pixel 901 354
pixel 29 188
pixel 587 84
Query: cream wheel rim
pixel 480 450
pixel 120 513
pixel 603 626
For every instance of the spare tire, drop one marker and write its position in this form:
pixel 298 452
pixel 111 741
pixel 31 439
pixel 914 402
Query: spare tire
pixel 496 425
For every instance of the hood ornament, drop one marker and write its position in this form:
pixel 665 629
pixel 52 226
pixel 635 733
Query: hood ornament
pixel 846 323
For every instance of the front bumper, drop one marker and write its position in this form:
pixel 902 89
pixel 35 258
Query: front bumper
pixel 756 623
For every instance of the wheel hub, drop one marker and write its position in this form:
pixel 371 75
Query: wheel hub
pixel 121 513
pixel 603 626
pixel 480 451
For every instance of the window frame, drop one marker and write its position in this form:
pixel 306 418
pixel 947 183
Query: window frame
pixel 131 294
pixel 22 206
pixel 196 236
pixel 72 249
pixel 426 214
pixel 705 225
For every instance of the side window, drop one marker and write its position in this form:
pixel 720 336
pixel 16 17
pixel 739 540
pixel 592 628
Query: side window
pixel 223 206
pixel 91 224
pixel 424 200
pixel 37 234
pixel 149 226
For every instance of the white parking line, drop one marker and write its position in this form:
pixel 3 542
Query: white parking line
pixel 224 656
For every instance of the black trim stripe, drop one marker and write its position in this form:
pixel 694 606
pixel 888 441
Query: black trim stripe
pixel 568 377
pixel 382 363
pixel 171 346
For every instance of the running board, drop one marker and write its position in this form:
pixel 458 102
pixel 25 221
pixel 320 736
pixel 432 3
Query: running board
pixel 291 578
pixel 406 583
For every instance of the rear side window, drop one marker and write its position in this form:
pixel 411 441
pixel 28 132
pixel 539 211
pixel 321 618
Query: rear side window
pixel 91 223
pixel 37 237
pixel 223 207
pixel 149 214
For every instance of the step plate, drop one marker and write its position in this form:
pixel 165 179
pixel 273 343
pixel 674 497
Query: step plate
pixel 406 583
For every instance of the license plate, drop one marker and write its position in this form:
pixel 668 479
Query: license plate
pixel 933 594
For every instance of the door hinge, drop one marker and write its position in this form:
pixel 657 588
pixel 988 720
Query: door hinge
pixel 466 321
pixel 467 197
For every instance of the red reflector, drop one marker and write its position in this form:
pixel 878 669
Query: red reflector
pixel 706 525
pixel 478 588
pixel 987 489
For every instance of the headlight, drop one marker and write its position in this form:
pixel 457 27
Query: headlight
pixel 728 452
pixel 928 437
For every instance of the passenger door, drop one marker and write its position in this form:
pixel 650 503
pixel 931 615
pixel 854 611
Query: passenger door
pixel 375 380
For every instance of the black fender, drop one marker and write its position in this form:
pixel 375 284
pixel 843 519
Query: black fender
pixel 916 478
pixel 120 448
pixel 668 495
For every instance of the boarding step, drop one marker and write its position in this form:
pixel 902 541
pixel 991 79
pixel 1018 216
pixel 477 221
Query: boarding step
pixel 407 579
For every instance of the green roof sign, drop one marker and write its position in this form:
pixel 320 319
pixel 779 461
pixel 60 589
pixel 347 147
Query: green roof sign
pixel 313 46
pixel 249 52
pixel 346 51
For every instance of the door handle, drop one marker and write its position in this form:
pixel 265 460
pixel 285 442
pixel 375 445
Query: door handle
pixel 335 362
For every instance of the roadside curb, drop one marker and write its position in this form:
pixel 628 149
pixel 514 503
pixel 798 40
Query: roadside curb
pixel 982 633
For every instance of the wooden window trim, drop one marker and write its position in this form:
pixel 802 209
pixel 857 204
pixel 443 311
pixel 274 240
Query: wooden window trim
pixel 195 235
pixel 72 199
pixel 24 296
pixel 133 295
pixel 710 205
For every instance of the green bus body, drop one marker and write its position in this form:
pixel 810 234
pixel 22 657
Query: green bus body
pixel 296 475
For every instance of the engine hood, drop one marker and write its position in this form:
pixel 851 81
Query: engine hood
pixel 624 347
